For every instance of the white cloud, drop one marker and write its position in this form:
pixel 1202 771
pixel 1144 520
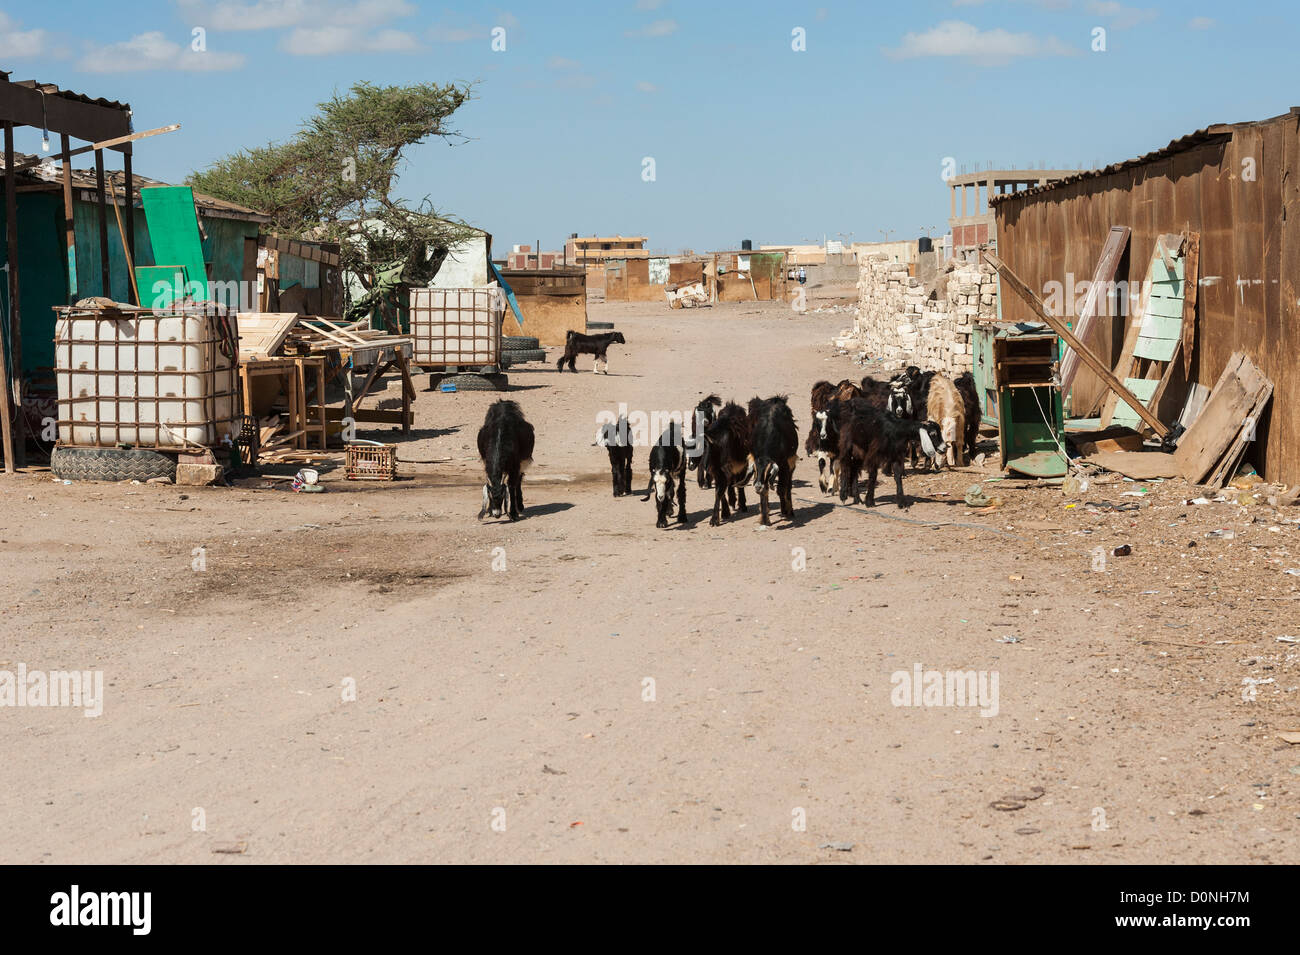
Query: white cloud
pixel 392 41
pixel 657 29
pixel 645 87
pixel 986 47
pixel 649 4
pixel 1200 23
pixel 153 51
pixel 16 43
pixel 507 19
pixel 328 40
pixel 446 34
pixel 562 63
pixel 232 15
pixel 235 15
pixel 1121 17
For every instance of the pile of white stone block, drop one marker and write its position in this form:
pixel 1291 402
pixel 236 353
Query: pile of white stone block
pixel 902 322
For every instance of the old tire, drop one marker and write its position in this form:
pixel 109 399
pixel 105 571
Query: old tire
pixel 600 326
pixel 521 355
pixel 475 382
pixel 518 342
pixel 111 464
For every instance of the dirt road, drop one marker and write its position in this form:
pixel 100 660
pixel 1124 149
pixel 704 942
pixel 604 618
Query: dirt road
pixel 616 693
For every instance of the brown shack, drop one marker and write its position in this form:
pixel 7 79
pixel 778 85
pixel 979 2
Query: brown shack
pixel 553 302
pixel 1231 183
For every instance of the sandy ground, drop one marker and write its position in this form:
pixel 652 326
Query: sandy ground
pixel 618 693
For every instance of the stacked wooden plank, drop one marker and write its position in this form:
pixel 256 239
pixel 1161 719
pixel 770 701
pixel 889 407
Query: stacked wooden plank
pixel 277 445
pixel 313 333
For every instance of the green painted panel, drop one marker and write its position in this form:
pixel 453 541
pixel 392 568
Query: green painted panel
pixel 43 279
pixel 223 249
pixel 160 284
pixel 1156 349
pixel 174 231
pixel 1168 307
pixel 1157 326
pixel 1160 274
pixel 1143 389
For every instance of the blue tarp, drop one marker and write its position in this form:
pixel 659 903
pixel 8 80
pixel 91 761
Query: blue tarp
pixel 510 293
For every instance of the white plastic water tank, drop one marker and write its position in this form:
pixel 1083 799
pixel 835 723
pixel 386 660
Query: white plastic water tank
pixel 146 379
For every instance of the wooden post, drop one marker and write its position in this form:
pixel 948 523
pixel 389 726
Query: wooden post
pixel 69 224
pixel 1082 350
pixel 102 201
pixel 11 260
pixel 130 215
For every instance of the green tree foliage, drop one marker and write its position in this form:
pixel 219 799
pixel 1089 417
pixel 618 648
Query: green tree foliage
pixel 333 181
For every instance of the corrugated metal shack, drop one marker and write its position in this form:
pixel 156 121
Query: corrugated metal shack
pixel 1233 184
pixel 45 266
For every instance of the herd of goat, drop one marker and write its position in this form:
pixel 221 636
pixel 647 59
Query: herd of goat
pixel 870 426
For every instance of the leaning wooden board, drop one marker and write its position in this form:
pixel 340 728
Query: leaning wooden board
pixel 1154 334
pixel 1208 453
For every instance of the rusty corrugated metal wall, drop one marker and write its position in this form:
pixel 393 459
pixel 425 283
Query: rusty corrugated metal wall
pixel 1249 296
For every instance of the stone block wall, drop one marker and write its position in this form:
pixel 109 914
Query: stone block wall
pixel 903 322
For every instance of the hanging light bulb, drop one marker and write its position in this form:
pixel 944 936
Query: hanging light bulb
pixel 45 140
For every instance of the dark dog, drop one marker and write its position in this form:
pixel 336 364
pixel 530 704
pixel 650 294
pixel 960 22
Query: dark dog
pixel 576 344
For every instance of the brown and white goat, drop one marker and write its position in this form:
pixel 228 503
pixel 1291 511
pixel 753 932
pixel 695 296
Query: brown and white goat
pixel 945 405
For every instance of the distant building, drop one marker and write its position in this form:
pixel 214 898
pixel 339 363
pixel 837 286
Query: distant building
pixel 596 249
pixel 973 226
pixel 898 250
pixel 525 257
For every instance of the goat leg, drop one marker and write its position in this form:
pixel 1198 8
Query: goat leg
pixel 898 488
pixel 681 499
pixel 516 496
pixel 872 471
pixel 740 499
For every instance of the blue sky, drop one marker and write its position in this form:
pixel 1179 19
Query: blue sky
pixel 750 138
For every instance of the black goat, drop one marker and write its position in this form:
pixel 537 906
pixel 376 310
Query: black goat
pixel 668 476
pixel 911 387
pixel 823 393
pixel 615 438
pixel 728 459
pixel 575 344
pixel 965 383
pixel 822 445
pixel 775 442
pixel 874 438
pixel 505 445
pixel 700 421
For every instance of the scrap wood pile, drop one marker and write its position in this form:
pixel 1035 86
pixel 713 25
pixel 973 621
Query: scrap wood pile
pixel 271 334
pixel 1213 428
pixel 276 445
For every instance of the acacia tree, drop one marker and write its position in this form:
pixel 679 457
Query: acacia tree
pixel 333 181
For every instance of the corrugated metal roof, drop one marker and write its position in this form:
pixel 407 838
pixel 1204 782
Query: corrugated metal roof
pixel 1182 144
pixel 51 172
pixel 49 89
